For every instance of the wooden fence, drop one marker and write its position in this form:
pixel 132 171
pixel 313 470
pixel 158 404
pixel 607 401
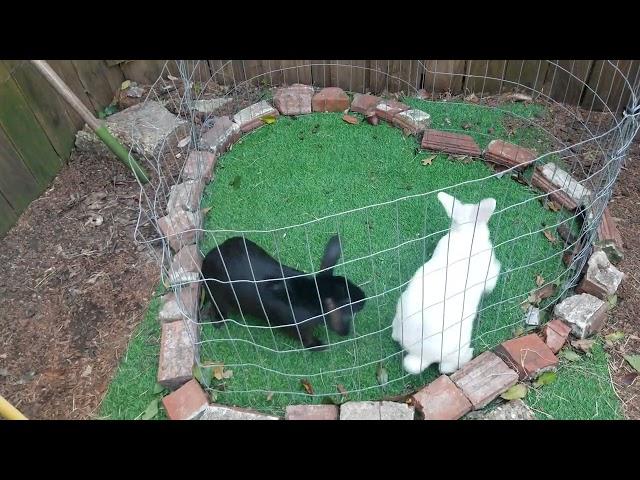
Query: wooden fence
pixel 37 128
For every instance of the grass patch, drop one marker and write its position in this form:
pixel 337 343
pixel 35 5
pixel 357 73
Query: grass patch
pixel 133 387
pixel 300 170
pixel 583 391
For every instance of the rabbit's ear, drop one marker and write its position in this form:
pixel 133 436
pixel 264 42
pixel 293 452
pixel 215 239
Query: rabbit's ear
pixel 331 255
pixel 486 209
pixel 447 202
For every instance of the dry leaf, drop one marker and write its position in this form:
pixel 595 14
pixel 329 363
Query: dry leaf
pixel 546 291
pixel 466 126
pixel 218 371
pixel 350 119
pixel 307 386
pixel 549 236
pixel 428 160
pixel 553 206
pixel 95 220
pixel 87 371
pixel 584 345
pixel 270 396
pixel 342 390
pixel 206 210
pixel 269 119
pixel 539 280
pixel 471 98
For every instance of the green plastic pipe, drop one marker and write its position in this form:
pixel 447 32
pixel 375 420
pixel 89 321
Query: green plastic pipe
pixel 96 125
pixel 122 153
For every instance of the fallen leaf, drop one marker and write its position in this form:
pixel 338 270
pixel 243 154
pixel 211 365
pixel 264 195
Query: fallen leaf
pixel 546 291
pixel 584 345
pixel 151 411
pixel 628 379
pixel 612 301
pixel 545 379
pixel 471 98
pixel 172 78
pixel 206 210
pixel 350 119
pixel 382 375
pixel 549 236
pixel 307 386
pixel 553 206
pixel 520 97
pixel 184 142
pixel 342 390
pixel 428 160
pixel 269 119
pixel 569 355
pixel 218 371
pixel 87 371
pixel 634 361
pixel 235 183
pixel 227 374
pixel 213 396
pixel 269 396
pixel 125 84
pixel 614 337
pixel 157 388
pixel 467 126
pixel 517 391
pixel 447 121
pixel 202 374
pixel 539 280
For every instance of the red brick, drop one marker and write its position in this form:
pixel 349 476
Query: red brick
pixel 555 334
pixel 484 378
pixel 529 355
pixel 330 99
pixel 185 196
pixel 177 353
pixel 222 135
pixel 387 109
pixel 442 400
pixel 311 412
pixel 186 265
pixel 449 142
pixel 199 165
pixel 187 402
pixel 183 302
pixel 412 121
pixel 608 230
pixel 365 104
pixel 250 118
pixel 539 181
pixel 293 100
pixel 180 228
pixel 508 155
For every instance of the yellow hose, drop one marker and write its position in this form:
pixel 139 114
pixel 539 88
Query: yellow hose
pixel 9 412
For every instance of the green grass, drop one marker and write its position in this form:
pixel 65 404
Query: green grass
pixel 134 385
pixel 301 170
pixel 582 391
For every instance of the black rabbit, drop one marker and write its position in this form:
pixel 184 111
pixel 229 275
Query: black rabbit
pixel 293 302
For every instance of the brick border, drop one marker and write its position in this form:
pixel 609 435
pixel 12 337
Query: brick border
pixel 470 388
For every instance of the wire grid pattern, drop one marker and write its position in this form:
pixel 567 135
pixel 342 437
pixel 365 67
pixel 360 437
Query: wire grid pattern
pixel 184 82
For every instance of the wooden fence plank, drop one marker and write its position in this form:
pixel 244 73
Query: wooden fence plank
pixel 95 82
pixel 26 133
pixel 17 183
pixel 222 71
pixel 443 75
pixel 142 71
pixel 525 75
pixel 47 106
pixel 8 216
pixel 484 77
pixel 68 73
pixel 349 75
pixel 609 85
pixel 562 82
pixel 321 73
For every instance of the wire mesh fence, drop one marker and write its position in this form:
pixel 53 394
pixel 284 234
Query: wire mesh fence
pixel 309 292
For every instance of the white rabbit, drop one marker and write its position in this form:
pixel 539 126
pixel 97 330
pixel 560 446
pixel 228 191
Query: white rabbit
pixel 465 262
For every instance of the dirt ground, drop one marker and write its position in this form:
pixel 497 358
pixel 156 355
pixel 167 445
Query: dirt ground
pixel 72 291
pixel 74 286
